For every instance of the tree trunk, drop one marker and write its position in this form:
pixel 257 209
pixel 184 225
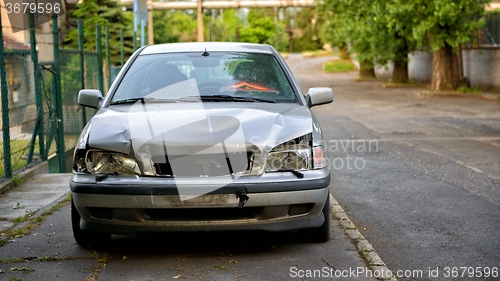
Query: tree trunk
pixel 445 70
pixel 400 73
pixel 343 51
pixel 366 70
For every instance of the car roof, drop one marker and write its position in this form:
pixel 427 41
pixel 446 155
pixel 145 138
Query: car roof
pixel 208 46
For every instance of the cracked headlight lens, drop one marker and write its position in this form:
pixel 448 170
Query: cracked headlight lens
pixel 294 154
pixel 292 158
pixel 98 162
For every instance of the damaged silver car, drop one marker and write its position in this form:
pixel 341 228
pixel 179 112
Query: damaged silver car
pixel 201 137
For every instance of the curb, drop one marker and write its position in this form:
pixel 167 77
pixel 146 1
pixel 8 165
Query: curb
pixel 365 249
pixel 41 168
pixel 484 96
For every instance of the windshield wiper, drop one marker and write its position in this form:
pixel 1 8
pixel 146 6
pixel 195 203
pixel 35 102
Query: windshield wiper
pixel 142 99
pixel 232 98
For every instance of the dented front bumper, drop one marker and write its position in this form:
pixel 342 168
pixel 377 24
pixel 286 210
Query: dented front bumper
pixel 129 204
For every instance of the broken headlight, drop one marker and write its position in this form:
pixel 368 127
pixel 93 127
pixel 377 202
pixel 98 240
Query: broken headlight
pixel 101 162
pixel 294 154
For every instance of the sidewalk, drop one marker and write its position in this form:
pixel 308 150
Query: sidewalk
pixel 38 192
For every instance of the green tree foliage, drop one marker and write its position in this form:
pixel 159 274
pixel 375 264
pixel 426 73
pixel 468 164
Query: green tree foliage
pixel 382 31
pixel 225 25
pixel 174 26
pixel 446 24
pixel 105 13
pixel 306 25
pixel 356 24
pixel 261 28
pixel 162 30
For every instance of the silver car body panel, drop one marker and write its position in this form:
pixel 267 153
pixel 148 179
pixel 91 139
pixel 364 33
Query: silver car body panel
pixel 264 125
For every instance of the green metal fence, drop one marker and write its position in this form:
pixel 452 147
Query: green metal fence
pixel 491 30
pixel 40 118
pixel 20 109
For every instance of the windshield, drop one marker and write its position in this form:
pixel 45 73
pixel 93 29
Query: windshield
pixel 216 77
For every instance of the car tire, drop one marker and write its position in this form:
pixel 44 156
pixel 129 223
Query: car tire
pixel 86 239
pixel 320 234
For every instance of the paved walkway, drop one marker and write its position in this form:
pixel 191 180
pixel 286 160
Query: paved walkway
pixel 37 193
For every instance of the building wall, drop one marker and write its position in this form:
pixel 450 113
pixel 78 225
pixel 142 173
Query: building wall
pixel 482 67
pixel 419 68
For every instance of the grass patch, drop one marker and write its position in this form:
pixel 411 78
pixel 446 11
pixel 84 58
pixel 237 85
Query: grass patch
pixel 319 53
pixel 284 54
pixel 468 90
pixel 18 149
pixel 33 223
pixel 339 65
pixel 102 260
pixel 407 84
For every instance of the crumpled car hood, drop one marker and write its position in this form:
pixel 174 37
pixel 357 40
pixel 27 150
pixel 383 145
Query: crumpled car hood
pixel 189 126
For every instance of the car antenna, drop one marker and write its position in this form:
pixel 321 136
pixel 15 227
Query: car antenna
pixel 205 54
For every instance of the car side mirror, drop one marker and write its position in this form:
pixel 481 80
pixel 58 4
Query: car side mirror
pixel 90 98
pixel 318 96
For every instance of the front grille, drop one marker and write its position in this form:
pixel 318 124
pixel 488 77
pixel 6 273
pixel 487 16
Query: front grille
pixel 203 165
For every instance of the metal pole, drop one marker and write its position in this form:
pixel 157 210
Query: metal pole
pixel 150 23
pixel 61 151
pixel 135 40
pixel 5 110
pixel 82 65
pixel 199 17
pixel 142 32
pixel 108 60
pixel 100 76
pixel 122 52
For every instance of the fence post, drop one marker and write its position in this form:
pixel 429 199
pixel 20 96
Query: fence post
pixel 5 110
pixel 61 151
pixel 38 95
pixel 82 65
pixel 99 58
pixel 108 60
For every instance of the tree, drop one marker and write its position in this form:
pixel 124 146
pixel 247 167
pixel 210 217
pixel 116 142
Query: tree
pixel 225 25
pixel 377 31
pixel 261 28
pixel 305 23
pixel 446 24
pixel 354 23
pixel 107 13
pixel 382 31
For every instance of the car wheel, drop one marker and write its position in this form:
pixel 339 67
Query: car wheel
pixel 322 233
pixel 86 239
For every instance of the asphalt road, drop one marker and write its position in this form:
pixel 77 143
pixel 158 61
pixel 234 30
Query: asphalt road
pixel 423 184
pixel 50 253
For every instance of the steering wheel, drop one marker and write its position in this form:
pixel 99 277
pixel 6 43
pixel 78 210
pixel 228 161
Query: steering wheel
pixel 209 87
